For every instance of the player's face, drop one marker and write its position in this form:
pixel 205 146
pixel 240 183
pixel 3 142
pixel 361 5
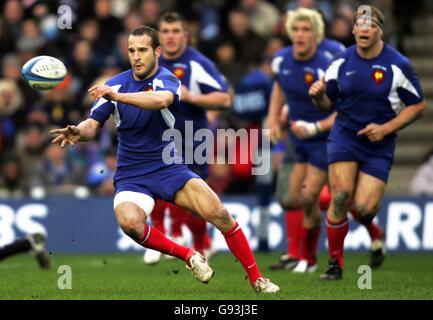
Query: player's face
pixel 366 35
pixel 303 37
pixel 142 56
pixel 173 37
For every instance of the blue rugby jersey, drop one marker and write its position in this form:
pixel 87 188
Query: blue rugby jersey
pixel 295 78
pixel 331 47
pixel 371 90
pixel 139 131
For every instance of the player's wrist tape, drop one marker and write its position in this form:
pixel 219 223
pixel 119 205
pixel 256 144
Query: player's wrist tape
pixel 312 128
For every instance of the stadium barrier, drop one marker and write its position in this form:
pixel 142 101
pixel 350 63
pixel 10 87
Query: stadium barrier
pixel 89 225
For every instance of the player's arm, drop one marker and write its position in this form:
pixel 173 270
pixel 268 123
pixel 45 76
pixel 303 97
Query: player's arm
pixel 276 103
pixel 216 100
pixel 318 95
pixel 150 100
pixel 410 93
pixel 376 132
pixel 84 131
pixel 304 130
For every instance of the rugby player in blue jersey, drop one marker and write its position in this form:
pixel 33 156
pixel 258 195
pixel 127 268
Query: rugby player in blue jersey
pixel 296 68
pixel 378 93
pixel 139 100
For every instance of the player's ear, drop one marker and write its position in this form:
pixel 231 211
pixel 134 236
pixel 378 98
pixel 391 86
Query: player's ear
pixel 158 51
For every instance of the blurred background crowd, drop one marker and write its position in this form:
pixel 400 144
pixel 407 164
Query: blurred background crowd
pixel 239 36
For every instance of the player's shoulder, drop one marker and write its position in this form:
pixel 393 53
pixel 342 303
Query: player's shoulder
pixel 284 52
pixel 194 55
pixel 395 57
pixel 332 45
pixel 165 74
pixel 120 78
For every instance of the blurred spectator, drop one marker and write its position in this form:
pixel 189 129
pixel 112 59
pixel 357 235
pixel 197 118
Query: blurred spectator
pixel 422 182
pixel 226 62
pixel 100 176
pixel 10 102
pixel 12 181
pixel 263 16
pixel 248 44
pixel 56 174
pixel 341 30
pixel 150 11
pixel 12 19
pixel 31 144
pixel 30 39
pixel 109 26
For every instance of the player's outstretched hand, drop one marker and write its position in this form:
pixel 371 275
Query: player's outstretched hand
pixel 103 91
pixel 317 89
pixel 374 132
pixel 70 135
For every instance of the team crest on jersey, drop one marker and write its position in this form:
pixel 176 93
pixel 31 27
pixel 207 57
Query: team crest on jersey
pixel 308 78
pixel 149 88
pixel 179 72
pixel 378 76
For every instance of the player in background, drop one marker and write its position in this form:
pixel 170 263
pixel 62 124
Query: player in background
pixel 296 68
pixel 139 100
pixel 34 243
pixel 378 93
pixel 203 88
pixel 294 218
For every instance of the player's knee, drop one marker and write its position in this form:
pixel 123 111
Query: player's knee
pixel 288 203
pixel 308 201
pixel 133 226
pixel 366 213
pixel 341 200
pixel 219 216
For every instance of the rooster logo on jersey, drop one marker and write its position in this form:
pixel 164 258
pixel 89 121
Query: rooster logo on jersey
pixel 378 76
pixel 308 78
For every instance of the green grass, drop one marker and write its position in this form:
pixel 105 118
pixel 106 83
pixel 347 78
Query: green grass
pixel 124 276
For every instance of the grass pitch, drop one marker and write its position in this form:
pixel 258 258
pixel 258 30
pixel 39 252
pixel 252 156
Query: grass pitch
pixel 125 276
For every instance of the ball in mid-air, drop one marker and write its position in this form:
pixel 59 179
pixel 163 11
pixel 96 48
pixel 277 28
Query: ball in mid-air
pixel 44 72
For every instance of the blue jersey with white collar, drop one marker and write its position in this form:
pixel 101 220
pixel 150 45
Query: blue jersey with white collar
pixel 371 91
pixel 139 131
pixel 295 78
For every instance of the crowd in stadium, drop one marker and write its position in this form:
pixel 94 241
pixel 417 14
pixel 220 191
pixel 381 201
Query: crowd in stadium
pixel 239 36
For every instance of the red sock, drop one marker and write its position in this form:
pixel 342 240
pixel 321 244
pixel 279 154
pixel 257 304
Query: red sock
pixel 325 198
pixel 198 229
pixel 373 229
pixel 294 220
pixel 336 234
pixel 177 219
pixel 240 248
pixel 154 239
pixel 158 215
pixel 310 238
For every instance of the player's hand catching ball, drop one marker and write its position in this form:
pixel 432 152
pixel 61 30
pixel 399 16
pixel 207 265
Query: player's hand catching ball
pixel 103 91
pixel 374 132
pixel 70 135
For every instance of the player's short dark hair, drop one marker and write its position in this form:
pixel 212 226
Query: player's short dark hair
pixel 377 15
pixel 171 17
pixel 150 32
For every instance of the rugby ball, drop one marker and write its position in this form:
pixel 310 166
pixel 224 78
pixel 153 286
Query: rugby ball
pixel 44 72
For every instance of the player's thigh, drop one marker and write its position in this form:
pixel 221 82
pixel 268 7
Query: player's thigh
pixel 369 193
pixel 314 180
pixel 197 197
pixel 290 178
pixel 342 180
